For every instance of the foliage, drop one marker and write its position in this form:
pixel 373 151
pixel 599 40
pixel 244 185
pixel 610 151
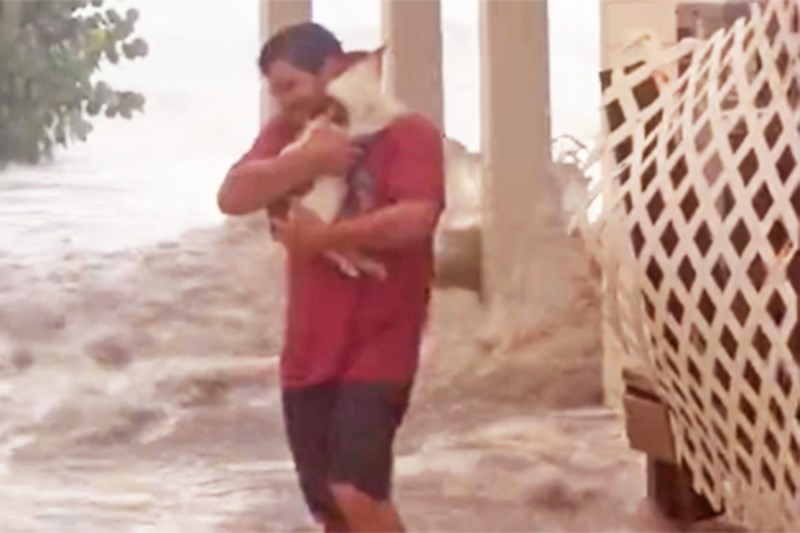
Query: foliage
pixel 49 53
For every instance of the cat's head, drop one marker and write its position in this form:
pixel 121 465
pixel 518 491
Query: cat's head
pixel 357 92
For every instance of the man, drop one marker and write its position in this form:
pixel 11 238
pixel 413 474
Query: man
pixel 352 345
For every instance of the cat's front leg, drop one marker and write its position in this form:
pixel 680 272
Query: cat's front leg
pixel 326 197
pixel 369 266
pixel 345 265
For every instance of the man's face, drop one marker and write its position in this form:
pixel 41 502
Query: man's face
pixel 298 94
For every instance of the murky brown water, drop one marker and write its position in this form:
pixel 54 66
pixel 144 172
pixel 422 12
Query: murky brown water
pixel 137 363
pixel 138 392
pixel 224 468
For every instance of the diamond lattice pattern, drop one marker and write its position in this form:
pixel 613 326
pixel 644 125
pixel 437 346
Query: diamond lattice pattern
pixel 705 144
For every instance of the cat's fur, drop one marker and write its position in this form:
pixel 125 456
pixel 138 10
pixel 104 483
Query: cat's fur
pixel 358 92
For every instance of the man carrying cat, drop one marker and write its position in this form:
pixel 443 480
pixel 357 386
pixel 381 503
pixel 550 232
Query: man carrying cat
pixel 352 345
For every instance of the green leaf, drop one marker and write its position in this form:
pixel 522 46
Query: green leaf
pixel 132 16
pixel 50 55
pixel 113 16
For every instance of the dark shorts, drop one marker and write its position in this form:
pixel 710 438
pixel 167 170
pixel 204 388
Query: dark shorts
pixel 343 433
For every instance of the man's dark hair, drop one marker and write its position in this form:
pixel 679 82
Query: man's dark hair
pixel 305 46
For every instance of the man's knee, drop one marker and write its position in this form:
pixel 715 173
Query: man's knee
pixel 364 513
pixel 333 525
pixel 351 501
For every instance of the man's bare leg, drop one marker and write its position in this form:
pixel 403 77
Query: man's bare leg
pixel 391 515
pixel 331 524
pixel 363 514
pixel 334 527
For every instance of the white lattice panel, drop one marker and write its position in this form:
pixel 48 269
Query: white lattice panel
pixel 706 198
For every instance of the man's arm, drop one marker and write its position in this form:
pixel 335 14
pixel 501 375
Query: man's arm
pixel 266 175
pixel 397 226
pixel 253 185
pixel 415 187
pixel 249 185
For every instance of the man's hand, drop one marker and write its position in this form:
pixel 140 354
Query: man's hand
pixel 303 234
pixel 331 150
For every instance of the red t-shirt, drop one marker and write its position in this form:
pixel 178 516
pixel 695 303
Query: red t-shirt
pixel 343 329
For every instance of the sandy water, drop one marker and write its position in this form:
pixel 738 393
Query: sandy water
pixel 138 391
pixel 139 333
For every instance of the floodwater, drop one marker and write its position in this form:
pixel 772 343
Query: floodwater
pixel 139 333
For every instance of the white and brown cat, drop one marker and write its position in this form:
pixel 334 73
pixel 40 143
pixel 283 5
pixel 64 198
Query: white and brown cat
pixel 360 106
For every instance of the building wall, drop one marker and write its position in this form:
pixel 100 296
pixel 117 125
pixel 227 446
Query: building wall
pixel 670 20
pixel 702 19
pixel 624 19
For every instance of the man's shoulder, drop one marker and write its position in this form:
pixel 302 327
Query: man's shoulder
pixel 277 127
pixel 272 138
pixel 415 127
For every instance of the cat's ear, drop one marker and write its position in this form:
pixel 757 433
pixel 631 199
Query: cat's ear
pixel 376 58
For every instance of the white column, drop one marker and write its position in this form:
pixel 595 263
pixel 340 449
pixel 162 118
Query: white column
pixel 413 64
pixel 516 140
pixel 273 15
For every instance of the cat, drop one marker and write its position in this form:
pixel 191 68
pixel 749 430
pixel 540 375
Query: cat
pixel 362 109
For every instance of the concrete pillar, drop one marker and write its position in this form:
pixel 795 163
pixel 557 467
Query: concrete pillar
pixel 413 64
pixel 516 141
pixel 273 15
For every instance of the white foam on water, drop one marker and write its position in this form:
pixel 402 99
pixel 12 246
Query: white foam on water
pixel 134 322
